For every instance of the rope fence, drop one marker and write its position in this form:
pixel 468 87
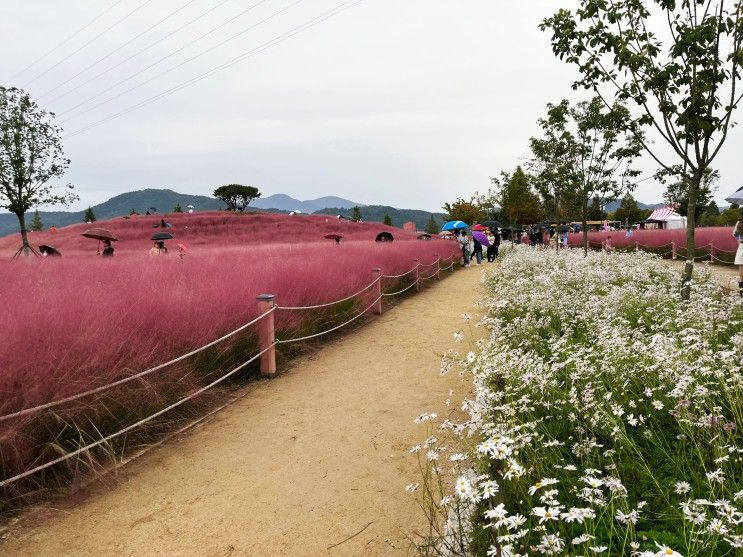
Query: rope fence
pixel 267 354
pixel 707 252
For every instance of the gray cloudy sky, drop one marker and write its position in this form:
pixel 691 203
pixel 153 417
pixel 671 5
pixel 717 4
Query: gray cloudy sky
pixel 408 103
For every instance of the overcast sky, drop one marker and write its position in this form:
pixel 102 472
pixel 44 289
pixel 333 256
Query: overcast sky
pixel 408 103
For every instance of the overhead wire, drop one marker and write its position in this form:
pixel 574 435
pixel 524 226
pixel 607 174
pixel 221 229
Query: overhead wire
pixel 88 43
pixel 337 10
pixel 68 39
pixel 127 43
pixel 141 51
pixel 162 59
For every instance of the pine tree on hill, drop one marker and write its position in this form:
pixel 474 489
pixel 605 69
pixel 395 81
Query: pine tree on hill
pixel 177 208
pixel 89 215
pixel 432 226
pixel 356 214
pixel 36 224
pixel 387 219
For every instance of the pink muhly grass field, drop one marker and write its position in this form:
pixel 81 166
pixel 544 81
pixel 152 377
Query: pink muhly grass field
pixel 76 322
pixel 721 237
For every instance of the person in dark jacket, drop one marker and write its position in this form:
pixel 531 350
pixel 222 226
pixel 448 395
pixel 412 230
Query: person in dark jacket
pixel 108 249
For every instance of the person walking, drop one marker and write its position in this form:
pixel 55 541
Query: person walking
pixel 465 243
pixel 738 233
pixel 477 250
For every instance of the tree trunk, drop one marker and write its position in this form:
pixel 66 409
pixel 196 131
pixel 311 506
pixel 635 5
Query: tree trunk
pixel 691 209
pixel 24 233
pixel 584 220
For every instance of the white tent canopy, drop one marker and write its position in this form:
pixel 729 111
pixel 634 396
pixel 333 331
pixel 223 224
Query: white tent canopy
pixel 669 215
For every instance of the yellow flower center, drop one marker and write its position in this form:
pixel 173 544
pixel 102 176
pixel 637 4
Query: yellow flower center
pixel 669 551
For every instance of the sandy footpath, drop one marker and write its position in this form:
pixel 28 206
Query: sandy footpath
pixel 301 463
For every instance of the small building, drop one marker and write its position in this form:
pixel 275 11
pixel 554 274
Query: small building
pixel 410 227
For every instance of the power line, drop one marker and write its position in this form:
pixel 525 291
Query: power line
pixel 181 64
pixel 145 49
pixel 249 54
pixel 170 55
pixel 127 43
pixel 68 39
pixel 91 41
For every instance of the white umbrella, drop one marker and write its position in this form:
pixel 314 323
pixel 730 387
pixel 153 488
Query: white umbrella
pixel 190 207
pixel 736 198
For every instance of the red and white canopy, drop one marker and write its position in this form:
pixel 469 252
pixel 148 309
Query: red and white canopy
pixel 667 212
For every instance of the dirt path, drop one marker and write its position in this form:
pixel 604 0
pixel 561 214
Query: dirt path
pixel 304 461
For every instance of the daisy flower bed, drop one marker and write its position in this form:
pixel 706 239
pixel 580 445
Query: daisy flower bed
pixel 605 415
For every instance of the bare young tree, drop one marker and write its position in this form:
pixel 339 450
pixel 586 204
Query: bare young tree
pixel 31 155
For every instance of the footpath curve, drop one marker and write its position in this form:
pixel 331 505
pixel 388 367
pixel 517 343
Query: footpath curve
pixel 315 457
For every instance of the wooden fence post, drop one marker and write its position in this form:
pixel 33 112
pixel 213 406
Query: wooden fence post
pixel 637 245
pixel 377 274
pixel 673 249
pixel 712 254
pixel 417 274
pixel 267 335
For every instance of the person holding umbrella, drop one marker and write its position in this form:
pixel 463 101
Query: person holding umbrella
pixel 108 249
pixel 465 243
pixel 738 233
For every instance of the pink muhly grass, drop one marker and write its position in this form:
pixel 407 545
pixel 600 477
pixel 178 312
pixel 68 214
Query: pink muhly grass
pixel 80 321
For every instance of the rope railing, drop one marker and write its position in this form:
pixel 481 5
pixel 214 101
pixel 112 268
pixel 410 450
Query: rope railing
pixel 135 425
pixel 267 344
pixel 336 302
pixel 129 378
pixel 309 337
pixel 678 251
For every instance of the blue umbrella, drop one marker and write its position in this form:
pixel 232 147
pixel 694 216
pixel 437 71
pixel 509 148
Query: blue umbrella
pixel 455 225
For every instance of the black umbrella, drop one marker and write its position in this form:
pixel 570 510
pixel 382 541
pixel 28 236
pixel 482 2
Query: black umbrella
pixel 49 251
pixel 158 236
pixel 492 224
pixel 385 237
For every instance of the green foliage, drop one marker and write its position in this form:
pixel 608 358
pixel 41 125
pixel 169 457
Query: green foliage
pixel 729 216
pixel 177 208
pixel 31 155
pixel 133 212
pixel 356 214
pixel 387 219
pixel 629 212
pixel 89 215
pixel 515 195
pixel 470 211
pixel 678 63
pixel 585 156
pixel 236 196
pixel 36 224
pixel 677 194
pixel 432 227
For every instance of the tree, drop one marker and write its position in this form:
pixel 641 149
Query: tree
pixel 629 211
pixel 683 85
pixel 89 215
pixel 596 210
pixel 587 154
pixel 31 155
pixel 356 214
pixel 177 208
pixel 387 219
pixel 236 196
pixel 469 211
pixel 677 194
pixel 432 227
pixel 729 216
pixel 36 224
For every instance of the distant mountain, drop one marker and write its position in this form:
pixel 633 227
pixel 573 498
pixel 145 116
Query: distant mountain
pixel 284 202
pixel 376 213
pixel 141 201
pixel 614 205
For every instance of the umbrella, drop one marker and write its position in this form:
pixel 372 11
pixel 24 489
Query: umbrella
pixel 336 237
pixel 385 237
pixel 159 236
pixel 736 198
pixel 480 237
pixel 49 251
pixel 455 225
pixel 182 247
pixel 425 236
pixel 492 224
pixel 478 228
pixel 99 234
pixel 190 207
